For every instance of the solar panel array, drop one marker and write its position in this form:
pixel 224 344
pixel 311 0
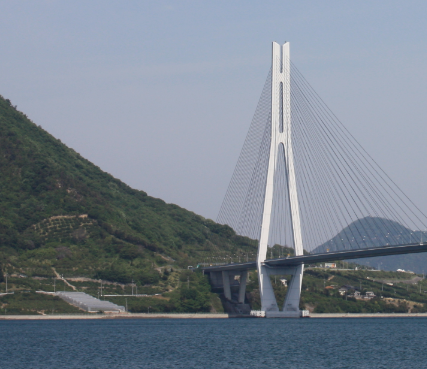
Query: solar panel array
pixel 86 302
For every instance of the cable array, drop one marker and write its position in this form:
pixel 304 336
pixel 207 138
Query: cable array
pixel 346 200
pixel 243 201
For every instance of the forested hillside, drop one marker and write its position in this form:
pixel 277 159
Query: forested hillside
pixel 58 210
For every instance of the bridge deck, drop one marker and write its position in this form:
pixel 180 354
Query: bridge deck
pixel 329 256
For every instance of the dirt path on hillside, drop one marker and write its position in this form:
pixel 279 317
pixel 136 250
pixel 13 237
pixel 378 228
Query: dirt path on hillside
pixel 66 282
pixel 85 279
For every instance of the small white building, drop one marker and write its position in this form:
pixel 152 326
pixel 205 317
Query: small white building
pixel 342 291
pixel 330 265
pixel 284 282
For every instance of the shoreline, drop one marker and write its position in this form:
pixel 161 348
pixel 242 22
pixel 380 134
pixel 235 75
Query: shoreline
pixel 197 316
pixel 116 316
pixel 369 315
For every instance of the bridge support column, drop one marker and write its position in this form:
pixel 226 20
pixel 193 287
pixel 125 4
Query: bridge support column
pixel 226 284
pixel 242 286
pixel 291 304
pixel 268 300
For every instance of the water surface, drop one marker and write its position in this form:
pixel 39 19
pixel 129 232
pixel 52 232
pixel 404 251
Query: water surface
pixel 215 343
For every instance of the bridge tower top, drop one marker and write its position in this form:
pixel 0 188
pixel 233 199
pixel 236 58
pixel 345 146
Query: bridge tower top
pixel 280 149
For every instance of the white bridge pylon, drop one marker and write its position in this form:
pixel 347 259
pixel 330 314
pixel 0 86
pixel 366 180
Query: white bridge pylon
pixel 281 129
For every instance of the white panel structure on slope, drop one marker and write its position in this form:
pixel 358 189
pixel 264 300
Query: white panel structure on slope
pixel 281 129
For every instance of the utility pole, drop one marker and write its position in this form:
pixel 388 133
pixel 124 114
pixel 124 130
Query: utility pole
pixel 188 282
pixel 6 282
pixel 54 285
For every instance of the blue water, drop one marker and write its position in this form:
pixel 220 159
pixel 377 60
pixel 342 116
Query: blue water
pixel 212 343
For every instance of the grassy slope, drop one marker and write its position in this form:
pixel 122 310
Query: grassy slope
pixel 191 293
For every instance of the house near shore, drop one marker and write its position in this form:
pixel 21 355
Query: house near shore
pixel 369 295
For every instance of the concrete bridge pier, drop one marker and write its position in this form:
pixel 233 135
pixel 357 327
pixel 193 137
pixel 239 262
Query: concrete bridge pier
pixel 290 308
pixel 243 276
pixel 234 290
pixel 242 286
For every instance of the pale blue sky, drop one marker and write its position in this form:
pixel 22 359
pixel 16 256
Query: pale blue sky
pixel 160 94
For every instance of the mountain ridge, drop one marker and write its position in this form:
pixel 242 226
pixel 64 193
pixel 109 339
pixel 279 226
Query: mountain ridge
pixel 376 232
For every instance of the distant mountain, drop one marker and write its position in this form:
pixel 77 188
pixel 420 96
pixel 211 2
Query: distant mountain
pixel 58 210
pixel 375 232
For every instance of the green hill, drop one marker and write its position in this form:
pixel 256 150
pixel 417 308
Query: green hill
pixel 58 210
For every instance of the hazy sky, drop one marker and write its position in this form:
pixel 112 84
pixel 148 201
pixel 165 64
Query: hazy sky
pixel 161 93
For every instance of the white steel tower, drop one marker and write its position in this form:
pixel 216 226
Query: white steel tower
pixel 281 129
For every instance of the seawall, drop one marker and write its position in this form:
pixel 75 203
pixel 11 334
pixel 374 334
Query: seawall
pixel 113 316
pixel 193 316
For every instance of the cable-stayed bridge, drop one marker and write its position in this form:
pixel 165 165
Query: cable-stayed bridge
pixel 303 181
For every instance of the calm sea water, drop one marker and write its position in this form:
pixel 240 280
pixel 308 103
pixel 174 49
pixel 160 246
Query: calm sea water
pixel 211 343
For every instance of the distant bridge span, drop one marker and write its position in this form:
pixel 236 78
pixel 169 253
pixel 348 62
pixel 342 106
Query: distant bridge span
pixel 293 261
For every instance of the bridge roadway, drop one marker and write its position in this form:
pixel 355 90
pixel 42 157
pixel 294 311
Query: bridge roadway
pixel 329 256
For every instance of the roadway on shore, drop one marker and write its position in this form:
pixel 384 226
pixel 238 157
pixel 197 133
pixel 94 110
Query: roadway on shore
pixel 195 316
